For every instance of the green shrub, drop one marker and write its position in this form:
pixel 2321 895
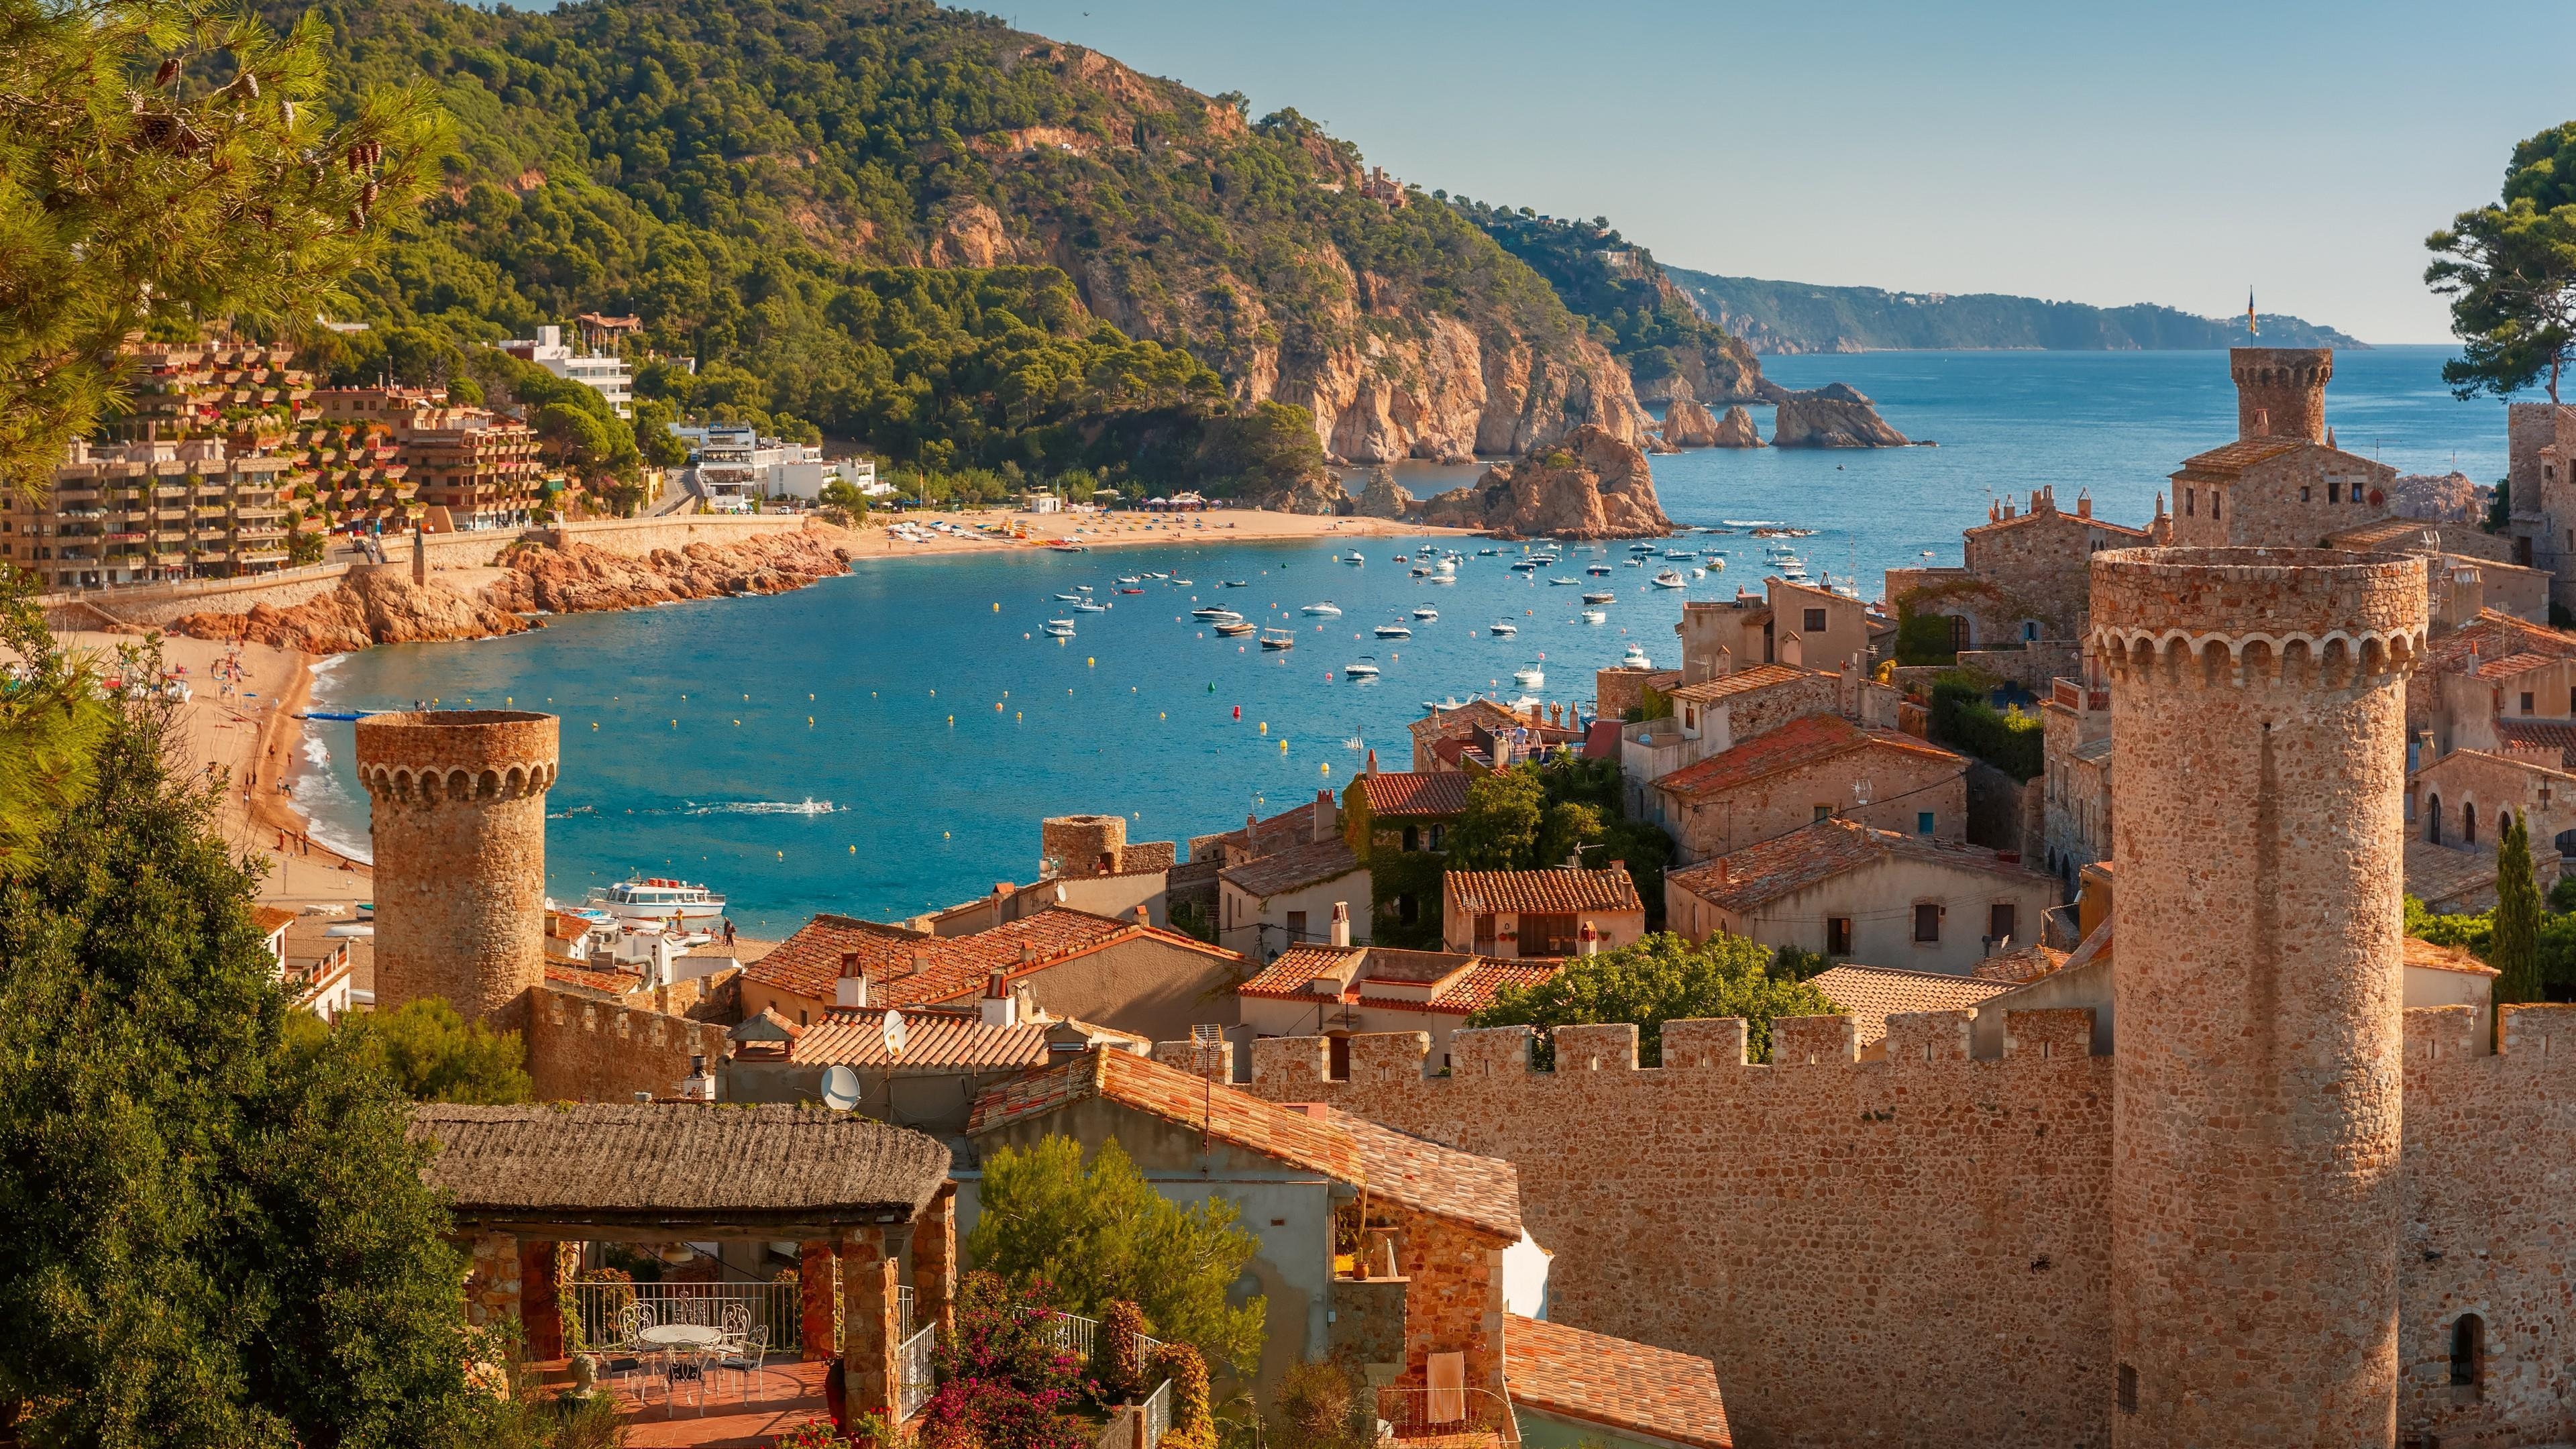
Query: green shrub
pixel 2011 740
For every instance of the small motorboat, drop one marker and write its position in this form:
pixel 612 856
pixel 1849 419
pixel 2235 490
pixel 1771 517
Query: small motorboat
pixel 1641 548
pixel 1599 571
pixel 1070 598
pixel 1060 628
pixel 1426 613
pixel 1364 667
pixel 1131 591
pixel 1082 588
pixel 1671 579
pixel 1565 581
pixel 1234 628
pixel 1211 612
pixel 1715 564
pixel 1234 583
pixel 1452 702
pixel 1604 597
pixel 1529 676
pixel 1179 583
pixel 1679 553
pixel 1278 639
pixel 1635 563
pixel 1323 610
pixel 1422 573
pixel 1091 606
pixel 1354 558
pixel 1636 658
pixel 1448 565
pixel 1487 552
pixel 1149 573
pixel 1441 579
pixel 1524 565
pixel 1503 628
pixel 1133 579
pixel 1596 616
pixel 1394 629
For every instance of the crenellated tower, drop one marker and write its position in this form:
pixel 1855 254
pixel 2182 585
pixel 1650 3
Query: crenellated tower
pixel 2281 391
pixel 2258 714
pixel 459 824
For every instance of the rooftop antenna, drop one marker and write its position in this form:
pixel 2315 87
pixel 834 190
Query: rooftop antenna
pixel 840 1088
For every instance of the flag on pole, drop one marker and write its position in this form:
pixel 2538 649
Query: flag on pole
pixel 2252 327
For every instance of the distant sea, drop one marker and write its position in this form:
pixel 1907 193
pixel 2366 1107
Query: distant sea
pixel 840 748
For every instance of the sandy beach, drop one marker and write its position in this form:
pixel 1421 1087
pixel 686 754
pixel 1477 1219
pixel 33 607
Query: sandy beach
pixel 1117 530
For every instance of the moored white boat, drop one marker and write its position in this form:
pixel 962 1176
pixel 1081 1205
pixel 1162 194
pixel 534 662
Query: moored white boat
pixel 1060 628
pixel 1504 628
pixel 1364 667
pixel 1671 579
pixel 1323 610
pixel 1529 676
pixel 1636 658
pixel 1426 613
pixel 653 898
pixel 1394 629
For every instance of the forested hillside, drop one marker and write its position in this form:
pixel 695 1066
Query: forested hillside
pixel 750 177
pixel 1798 317
pixel 1634 307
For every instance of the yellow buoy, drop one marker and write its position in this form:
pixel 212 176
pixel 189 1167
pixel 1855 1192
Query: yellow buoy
pixel 1265 727
pixel 854 850
pixel 1283 747
pixel 594 724
pixel 997 608
pixel 1088 663
pixel 782 855
pixel 809 721
pixel 505 699
pixel 1328 767
pixel 1158 714
pixel 737 724
pixel 952 719
pixel 675 724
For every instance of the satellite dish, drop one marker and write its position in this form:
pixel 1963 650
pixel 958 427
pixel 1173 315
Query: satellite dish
pixel 840 1088
pixel 894 1033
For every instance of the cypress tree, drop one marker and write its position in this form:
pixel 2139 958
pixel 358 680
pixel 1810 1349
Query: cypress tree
pixel 2515 949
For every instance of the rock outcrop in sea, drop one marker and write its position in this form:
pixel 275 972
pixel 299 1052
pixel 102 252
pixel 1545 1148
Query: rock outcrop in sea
pixel 1836 415
pixel 1736 430
pixel 1687 424
pixel 1384 497
pixel 1592 485
pixel 1318 495
pixel 383 605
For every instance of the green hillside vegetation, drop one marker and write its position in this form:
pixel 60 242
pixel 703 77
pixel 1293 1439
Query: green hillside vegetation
pixel 1631 304
pixel 1781 317
pixel 764 182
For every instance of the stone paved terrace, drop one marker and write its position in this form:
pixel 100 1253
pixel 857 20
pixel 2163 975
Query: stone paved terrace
pixel 791 1394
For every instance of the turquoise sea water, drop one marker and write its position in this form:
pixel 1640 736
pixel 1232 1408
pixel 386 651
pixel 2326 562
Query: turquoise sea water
pixel 839 748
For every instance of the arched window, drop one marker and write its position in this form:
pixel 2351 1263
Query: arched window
pixel 1958 631
pixel 2433 821
pixel 1436 832
pixel 2469 824
pixel 1412 837
pixel 2468 1357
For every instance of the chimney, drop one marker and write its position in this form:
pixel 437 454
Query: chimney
pixel 699 1087
pixel 1028 953
pixel 2084 505
pixel 1591 941
pixel 1372 762
pixel 2034 500
pixel 1721 870
pixel 1323 815
pixel 1000 1006
pixel 1342 924
pixel 1143 916
pixel 852 989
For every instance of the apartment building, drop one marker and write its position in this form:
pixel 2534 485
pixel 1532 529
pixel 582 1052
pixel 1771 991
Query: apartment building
pixel 605 373
pixel 151 510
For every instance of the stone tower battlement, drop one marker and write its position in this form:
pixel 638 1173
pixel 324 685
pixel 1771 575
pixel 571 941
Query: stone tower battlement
pixel 459 825
pixel 2281 391
pixel 1083 845
pixel 2258 737
pixel 2297 618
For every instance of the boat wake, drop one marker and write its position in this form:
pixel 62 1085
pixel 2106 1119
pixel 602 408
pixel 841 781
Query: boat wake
pixel 764 807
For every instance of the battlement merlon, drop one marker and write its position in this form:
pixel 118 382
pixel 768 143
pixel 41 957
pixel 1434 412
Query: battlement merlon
pixel 2247 614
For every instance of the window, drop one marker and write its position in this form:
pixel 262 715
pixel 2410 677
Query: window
pixel 1927 924
pixel 2526 701
pixel 1958 631
pixel 1923 822
pixel 1824 812
pixel 2468 1357
pixel 1551 935
pixel 2128 1389
pixel 1296 926
pixel 1815 620
pixel 1999 923
pixel 1412 838
pixel 1838 936
pixel 800 1016
pixel 1339 1064
pixel 2030 631
pixel 2469 824
pixel 1405 908
pixel 1436 833
pixel 2334 491
pixel 2213 505
pixel 2303 493
pixel 2433 821
pixel 2190 502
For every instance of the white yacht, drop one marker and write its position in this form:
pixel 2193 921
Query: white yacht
pixel 1354 558
pixel 1364 667
pixel 1636 658
pixel 1504 628
pixel 1529 676
pixel 1394 629
pixel 1091 606
pixel 1060 628
pixel 1324 610
pixel 1596 616
pixel 1671 579
pixel 655 899
pixel 1426 614
pixel 1210 612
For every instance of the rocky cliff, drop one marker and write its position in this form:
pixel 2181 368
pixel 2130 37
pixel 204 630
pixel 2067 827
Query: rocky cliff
pixel 384 606
pixel 1736 430
pixel 1593 485
pixel 1833 416
pixel 1687 424
pixel 1384 497
pixel 1320 495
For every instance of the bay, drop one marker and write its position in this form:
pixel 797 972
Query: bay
pixel 885 743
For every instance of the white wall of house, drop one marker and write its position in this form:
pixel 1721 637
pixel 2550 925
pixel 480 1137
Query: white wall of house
pixel 1242 917
pixel 1880 900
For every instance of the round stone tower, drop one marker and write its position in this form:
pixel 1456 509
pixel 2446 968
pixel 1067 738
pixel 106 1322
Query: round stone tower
pixel 2281 391
pixel 1083 845
pixel 460 837
pixel 2259 743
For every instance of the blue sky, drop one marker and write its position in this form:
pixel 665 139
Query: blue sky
pixel 2170 153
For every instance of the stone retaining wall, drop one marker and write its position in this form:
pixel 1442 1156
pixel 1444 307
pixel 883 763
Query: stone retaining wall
pixel 637 537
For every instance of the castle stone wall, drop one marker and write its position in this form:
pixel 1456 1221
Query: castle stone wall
pixel 1912 1252
pixel 583 1049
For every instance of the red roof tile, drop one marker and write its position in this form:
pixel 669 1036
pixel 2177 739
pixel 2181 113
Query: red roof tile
pixel 907 968
pixel 930 1039
pixel 2512 664
pixel 1483 1192
pixel 1613 1382
pixel 1425 792
pixel 1287 978
pixel 1814 853
pixel 2495 635
pixel 1544 892
pixel 1298 866
pixel 2238 456
pixel 2533 735
pixel 2021 964
pixel 1872 994
pixel 271 919
pixel 1296 966
pixel 1601 740
pixel 1224 1113
pixel 2025 518
pixel 610 982
pixel 1799 743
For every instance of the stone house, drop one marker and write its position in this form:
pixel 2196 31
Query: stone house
pixel 2023 579
pixel 1811 769
pixel 1519 914
pixel 2463 559
pixel 1401 823
pixel 1335 993
pixel 2480 680
pixel 2540 476
pixel 2283 483
pixel 2464 797
pixel 1481 736
pixel 1303 893
pixel 1119 973
pixel 921 1068
pixel 1859 894
pixel 2075 827
pixel 1325 1193
pixel 1869 995
pixel 1797 624
pixel 1716 714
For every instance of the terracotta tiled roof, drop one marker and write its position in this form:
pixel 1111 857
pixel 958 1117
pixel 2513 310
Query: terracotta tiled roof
pixel 271 919
pixel 1419 1173
pixel 1286 978
pixel 1425 792
pixel 2236 457
pixel 930 1039
pixel 2533 735
pixel 2513 664
pixel 1289 827
pixel 906 968
pixel 1613 1382
pixel 2439 873
pixel 1545 892
pixel 2376 535
pixel 1799 743
pixel 2025 518
pixel 611 982
pixel 1311 863
pixel 1459 723
pixel 1814 853
pixel 1872 994
pixel 1472 992
pixel 1742 681
pixel 1601 740
pixel 2021 964
pixel 2495 635
pixel 2420 952
pixel 1228 1115
pixel 1296 966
